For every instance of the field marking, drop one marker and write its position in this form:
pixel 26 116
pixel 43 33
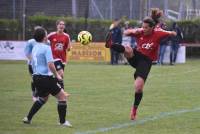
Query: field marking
pixel 139 122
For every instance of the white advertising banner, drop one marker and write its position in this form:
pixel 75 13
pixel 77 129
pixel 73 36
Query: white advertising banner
pixel 181 55
pixel 12 50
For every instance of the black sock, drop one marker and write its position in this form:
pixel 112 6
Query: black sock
pixel 138 98
pixel 119 48
pixel 62 108
pixel 36 106
pixel 61 83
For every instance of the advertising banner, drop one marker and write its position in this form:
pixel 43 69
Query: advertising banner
pixel 181 55
pixel 93 52
pixel 12 50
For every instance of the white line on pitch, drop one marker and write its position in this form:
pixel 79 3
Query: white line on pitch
pixel 138 122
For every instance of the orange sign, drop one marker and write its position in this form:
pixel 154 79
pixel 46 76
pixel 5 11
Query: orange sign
pixel 93 52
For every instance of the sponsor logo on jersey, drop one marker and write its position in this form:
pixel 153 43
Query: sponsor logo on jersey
pixel 59 46
pixel 147 46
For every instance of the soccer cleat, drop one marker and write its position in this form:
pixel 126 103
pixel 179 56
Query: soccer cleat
pixel 66 124
pixel 133 113
pixel 26 120
pixel 108 40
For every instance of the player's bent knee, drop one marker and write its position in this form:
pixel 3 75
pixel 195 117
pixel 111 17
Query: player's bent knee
pixel 61 96
pixel 43 100
pixel 139 84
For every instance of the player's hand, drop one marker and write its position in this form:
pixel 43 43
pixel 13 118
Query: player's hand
pixel 66 93
pixel 133 31
pixel 173 33
pixel 58 77
pixel 128 31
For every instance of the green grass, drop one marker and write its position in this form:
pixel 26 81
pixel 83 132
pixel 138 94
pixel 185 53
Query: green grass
pixel 101 97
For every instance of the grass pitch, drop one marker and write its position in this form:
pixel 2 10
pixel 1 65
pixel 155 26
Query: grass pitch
pixel 100 101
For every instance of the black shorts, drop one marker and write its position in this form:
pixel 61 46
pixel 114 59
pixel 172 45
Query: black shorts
pixel 46 85
pixel 141 63
pixel 59 65
pixel 30 69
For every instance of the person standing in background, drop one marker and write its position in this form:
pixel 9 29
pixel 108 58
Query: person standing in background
pixel 127 40
pixel 175 43
pixel 116 35
pixel 163 44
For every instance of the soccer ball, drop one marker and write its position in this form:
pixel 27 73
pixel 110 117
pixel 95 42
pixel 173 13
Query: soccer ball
pixel 84 37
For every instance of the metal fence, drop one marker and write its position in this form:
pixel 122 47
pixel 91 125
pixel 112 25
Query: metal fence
pixel 97 9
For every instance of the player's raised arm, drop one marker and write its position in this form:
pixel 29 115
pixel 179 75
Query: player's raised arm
pixel 173 33
pixel 134 31
pixel 164 33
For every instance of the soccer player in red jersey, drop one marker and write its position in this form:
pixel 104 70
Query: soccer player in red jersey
pixel 148 39
pixel 60 45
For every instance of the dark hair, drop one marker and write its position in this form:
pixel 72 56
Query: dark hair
pixel 156 13
pixel 65 30
pixel 39 34
pixel 149 21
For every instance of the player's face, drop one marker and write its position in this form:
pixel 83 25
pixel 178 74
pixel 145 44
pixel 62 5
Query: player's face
pixel 61 26
pixel 147 29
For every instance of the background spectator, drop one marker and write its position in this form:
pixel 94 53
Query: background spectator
pixel 116 34
pixel 163 44
pixel 175 43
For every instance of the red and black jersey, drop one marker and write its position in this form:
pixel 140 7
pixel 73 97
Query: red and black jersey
pixel 59 45
pixel 148 44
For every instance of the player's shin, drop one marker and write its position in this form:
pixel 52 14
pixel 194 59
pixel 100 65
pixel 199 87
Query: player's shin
pixel 62 109
pixel 138 98
pixel 36 106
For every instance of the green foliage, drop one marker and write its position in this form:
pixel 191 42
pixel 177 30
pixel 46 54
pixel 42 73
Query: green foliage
pixel 190 29
pixel 9 29
pixel 97 28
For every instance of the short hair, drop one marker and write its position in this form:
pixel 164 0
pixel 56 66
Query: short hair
pixel 58 21
pixel 150 21
pixel 39 34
